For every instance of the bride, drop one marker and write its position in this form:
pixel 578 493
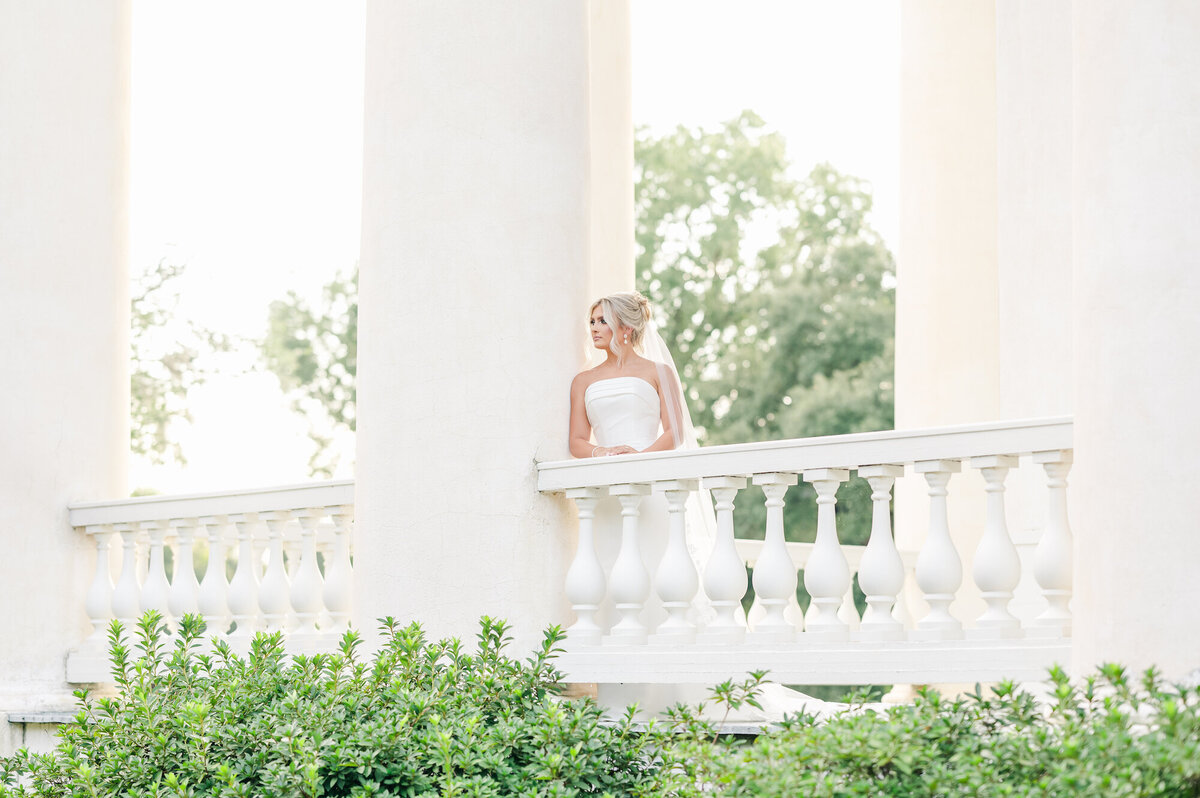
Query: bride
pixel 632 402
pixel 625 400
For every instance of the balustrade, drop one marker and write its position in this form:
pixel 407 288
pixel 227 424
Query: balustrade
pixel 279 581
pixel 660 610
pixel 832 643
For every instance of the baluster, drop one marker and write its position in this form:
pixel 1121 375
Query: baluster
pixel 156 587
pixel 338 584
pixel 939 569
pixel 774 573
pixel 291 553
pixel 997 568
pixel 274 589
pixel 848 611
pixel 212 594
pixel 1052 560
pixel 182 598
pixel 630 582
pixel 881 571
pixel 98 603
pixel 675 579
pixel 128 591
pixel 243 589
pixel 585 583
pixel 826 574
pixel 306 585
pixel 725 574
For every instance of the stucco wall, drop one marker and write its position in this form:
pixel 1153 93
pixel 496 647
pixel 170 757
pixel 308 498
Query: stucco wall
pixel 64 318
pixel 1137 332
pixel 484 161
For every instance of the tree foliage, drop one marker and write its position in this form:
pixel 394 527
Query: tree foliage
pixel 774 294
pixel 313 351
pixel 167 360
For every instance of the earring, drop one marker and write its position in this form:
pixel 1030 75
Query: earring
pixel 626 337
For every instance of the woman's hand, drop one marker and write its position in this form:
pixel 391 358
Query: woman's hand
pixel 608 451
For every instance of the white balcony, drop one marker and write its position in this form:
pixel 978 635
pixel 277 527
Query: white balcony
pixel 281 560
pixel 907 633
pixel 288 550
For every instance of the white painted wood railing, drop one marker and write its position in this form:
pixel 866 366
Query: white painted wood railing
pixel 288 550
pixel 890 643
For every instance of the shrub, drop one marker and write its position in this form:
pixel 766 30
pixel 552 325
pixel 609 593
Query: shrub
pixel 1108 737
pixel 419 718
pixel 423 718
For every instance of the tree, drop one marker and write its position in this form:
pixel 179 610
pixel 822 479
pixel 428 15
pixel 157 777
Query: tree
pixel 774 295
pixel 166 361
pixel 314 354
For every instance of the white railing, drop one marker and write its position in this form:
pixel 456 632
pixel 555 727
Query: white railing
pixel 831 644
pixel 288 549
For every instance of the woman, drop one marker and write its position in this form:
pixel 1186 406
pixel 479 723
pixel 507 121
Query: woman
pixel 630 403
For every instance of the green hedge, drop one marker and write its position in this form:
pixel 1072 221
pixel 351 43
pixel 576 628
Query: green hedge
pixel 424 718
pixel 1108 737
pixel 419 718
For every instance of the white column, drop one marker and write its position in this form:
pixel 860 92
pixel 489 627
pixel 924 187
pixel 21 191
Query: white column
pixel 243 588
pixel 676 580
pixel 184 590
pixel 997 567
pixel 64 318
pixel 1053 565
pixel 629 584
pixel 98 604
pixel 273 591
pixel 946 259
pixel 724 573
pixel 1137 334
pixel 515 105
pixel 338 574
pixel 585 585
pixel 306 583
pixel 881 571
pixel 826 574
pixel 128 591
pixel 155 588
pixel 939 568
pixel 775 576
pixel 212 596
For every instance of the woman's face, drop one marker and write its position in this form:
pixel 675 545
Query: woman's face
pixel 601 333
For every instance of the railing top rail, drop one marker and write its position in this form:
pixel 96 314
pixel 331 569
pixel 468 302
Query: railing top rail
pixel 199 505
pixel 800 454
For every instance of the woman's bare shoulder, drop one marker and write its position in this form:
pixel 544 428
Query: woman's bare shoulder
pixel 585 378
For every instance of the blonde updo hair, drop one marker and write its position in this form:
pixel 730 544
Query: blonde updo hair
pixel 629 310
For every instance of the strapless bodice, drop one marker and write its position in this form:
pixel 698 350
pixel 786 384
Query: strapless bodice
pixel 623 411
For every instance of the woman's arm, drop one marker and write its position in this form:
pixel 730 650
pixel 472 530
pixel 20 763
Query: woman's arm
pixel 671 415
pixel 581 429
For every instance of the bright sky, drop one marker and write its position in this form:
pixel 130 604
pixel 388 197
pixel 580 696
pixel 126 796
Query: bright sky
pixel 247 145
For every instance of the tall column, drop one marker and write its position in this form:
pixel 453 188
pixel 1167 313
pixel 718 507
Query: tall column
pixel 1033 157
pixel 482 222
pixel 64 319
pixel 948 328
pixel 1137 333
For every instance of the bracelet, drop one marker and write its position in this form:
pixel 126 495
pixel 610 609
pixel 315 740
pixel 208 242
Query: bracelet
pixel 594 448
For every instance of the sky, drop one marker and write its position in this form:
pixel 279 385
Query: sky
pixel 247 147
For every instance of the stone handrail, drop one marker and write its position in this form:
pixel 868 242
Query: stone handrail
pixel 705 626
pixel 289 548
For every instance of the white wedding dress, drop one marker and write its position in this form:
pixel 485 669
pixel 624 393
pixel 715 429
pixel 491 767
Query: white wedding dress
pixel 623 411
